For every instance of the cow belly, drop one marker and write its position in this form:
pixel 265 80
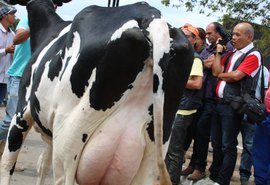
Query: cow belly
pixel 113 155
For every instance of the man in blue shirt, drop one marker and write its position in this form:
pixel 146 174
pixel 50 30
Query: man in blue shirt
pixel 22 55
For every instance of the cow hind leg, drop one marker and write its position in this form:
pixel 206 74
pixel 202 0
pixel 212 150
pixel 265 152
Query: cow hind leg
pixel 61 174
pixel 19 129
pixel 64 166
pixel 44 164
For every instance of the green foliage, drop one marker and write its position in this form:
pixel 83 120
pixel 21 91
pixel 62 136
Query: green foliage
pixel 165 2
pixel 264 41
pixel 14 25
pixel 246 10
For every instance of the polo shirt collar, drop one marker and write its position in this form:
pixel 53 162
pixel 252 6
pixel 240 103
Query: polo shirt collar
pixel 2 28
pixel 246 49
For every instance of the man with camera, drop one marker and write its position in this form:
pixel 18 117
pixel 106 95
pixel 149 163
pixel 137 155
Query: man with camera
pixel 197 165
pixel 235 77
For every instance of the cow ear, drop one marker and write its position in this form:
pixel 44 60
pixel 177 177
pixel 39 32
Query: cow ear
pixel 60 2
pixel 13 2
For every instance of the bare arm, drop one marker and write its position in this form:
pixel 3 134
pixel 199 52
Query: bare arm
pixel 232 76
pixel 217 68
pixel 195 82
pixel 21 36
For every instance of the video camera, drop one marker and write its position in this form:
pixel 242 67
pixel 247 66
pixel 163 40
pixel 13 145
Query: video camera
pixel 225 35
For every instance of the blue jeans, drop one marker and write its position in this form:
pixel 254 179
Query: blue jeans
pixel 3 92
pixel 13 89
pixel 225 128
pixel 261 152
pixel 247 132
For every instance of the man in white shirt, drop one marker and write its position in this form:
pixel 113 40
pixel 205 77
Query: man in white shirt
pixel 7 18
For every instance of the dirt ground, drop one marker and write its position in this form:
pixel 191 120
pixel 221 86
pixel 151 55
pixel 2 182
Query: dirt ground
pixel 235 179
pixel 33 146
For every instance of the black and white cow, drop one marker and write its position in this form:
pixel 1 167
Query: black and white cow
pixel 103 91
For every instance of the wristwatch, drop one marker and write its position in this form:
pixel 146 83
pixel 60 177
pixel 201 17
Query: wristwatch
pixel 220 53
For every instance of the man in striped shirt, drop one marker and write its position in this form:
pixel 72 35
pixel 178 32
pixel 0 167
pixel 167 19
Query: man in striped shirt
pixel 235 74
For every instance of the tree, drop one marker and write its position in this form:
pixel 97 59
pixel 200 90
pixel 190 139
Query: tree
pixel 248 10
pixel 234 11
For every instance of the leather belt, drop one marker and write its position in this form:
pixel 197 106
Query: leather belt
pixel 220 100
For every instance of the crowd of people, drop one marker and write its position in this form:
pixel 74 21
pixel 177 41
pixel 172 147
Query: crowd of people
pixel 224 66
pixel 231 67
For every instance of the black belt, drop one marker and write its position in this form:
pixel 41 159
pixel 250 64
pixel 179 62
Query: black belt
pixel 220 100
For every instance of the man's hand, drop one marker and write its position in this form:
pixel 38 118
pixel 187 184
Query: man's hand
pixel 208 62
pixel 220 48
pixel 10 49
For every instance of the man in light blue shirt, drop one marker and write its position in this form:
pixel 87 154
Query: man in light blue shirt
pixel 22 52
pixel 22 55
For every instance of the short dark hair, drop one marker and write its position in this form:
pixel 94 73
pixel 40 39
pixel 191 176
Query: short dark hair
pixel 202 33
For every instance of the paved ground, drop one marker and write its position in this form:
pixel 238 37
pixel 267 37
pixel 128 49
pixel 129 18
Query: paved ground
pixel 33 147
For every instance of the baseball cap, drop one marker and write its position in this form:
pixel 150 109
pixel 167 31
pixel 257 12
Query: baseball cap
pixel 4 10
pixel 191 28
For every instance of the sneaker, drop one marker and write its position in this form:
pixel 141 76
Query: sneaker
pixel 196 175
pixel 187 171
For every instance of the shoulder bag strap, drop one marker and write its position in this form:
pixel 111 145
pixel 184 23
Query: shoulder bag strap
pixel 262 81
pixel 256 78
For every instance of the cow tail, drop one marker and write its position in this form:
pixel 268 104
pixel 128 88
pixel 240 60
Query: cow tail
pixel 159 35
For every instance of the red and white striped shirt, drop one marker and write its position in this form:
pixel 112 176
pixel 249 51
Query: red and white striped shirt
pixel 249 66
